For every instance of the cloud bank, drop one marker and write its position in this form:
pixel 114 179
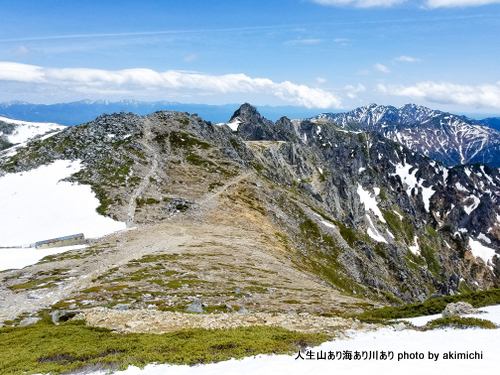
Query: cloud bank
pixel 406 59
pixel 388 3
pixel 359 3
pixel 458 3
pixel 480 96
pixel 133 81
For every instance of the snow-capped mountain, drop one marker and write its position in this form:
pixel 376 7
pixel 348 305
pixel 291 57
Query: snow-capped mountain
pixel 14 132
pixel 448 138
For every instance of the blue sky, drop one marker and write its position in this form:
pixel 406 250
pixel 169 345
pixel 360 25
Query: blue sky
pixel 335 54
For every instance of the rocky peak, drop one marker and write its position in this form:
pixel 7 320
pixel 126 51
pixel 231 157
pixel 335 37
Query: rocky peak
pixel 252 125
pixel 247 112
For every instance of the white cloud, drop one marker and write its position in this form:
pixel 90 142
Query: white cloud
pixel 135 81
pixel 480 96
pixel 320 79
pixel 382 68
pixel 406 59
pixel 352 91
pixel 22 51
pixel 359 3
pixel 190 58
pixel 389 3
pixel 459 3
pixel 303 41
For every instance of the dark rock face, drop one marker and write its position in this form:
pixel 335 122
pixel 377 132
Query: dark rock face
pixel 366 215
pixel 445 137
pixel 253 126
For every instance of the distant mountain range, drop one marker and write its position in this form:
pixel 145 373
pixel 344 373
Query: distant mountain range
pixel 448 138
pixel 79 112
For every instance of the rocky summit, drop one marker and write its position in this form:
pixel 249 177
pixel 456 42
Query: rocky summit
pixel 308 216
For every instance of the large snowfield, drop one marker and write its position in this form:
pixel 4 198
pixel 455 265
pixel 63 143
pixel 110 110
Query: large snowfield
pixel 37 205
pixel 405 343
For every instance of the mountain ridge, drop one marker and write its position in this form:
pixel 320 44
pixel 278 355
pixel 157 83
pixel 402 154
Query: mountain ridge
pixel 350 211
pixel 448 138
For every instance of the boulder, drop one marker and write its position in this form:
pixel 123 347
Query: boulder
pixel 195 307
pixel 64 315
pixel 459 308
pixel 122 306
pixel 28 321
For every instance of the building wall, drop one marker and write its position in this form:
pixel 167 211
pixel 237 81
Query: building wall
pixel 66 242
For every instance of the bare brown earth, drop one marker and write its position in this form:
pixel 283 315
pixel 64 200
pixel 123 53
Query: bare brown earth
pixel 224 253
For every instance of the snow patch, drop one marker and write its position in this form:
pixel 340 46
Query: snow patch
pixel 37 205
pixel 372 232
pixel 326 223
pixel 411 181
pixel 483 237
pixel 468 209
pixel 233 124
pixel 480 251
pixel 369 202
pixel 398 214
pixel 17 258
pixel 27 130
pixel 415 249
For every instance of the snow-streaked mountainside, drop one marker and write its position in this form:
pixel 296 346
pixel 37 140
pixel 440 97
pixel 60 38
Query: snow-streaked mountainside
pixel 362 213
pixel 14 132
pixel 445 137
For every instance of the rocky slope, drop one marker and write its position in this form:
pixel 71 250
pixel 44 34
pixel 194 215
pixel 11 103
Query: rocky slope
pixel 445 137
pixel 296 215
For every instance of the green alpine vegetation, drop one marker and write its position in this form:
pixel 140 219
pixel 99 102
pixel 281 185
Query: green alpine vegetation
pixel 72 346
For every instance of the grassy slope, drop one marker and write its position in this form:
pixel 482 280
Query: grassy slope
pixel 47 348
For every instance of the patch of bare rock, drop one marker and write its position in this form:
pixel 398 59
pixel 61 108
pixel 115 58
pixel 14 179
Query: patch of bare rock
pixel 154 321
pixel 459 308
